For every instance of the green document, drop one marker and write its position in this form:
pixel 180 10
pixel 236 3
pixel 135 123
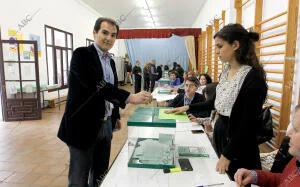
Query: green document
pixel 192 151
pixel 181 117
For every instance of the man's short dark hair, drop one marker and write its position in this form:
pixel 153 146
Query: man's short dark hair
pixel 194 80
pixel 98 22
pixel 174 72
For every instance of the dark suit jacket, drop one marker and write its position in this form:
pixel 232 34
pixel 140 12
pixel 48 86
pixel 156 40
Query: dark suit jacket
pixel 136 71
pixel 85 106
pixel 178 101
pixel 159 71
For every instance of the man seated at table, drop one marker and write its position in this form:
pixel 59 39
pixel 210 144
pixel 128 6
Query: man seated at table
pixel 174 80
pixel 189 97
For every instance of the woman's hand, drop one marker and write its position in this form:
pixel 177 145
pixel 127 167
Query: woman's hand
pixel 192 118
pixel 178 110
pixel 207 127
pixel 222 165
pixel 243 177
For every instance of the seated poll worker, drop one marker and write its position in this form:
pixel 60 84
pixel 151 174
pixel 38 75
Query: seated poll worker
pixel 189 96
pixel 291 174
pixel 209 93
pixel 180 88
pixel 93 93
pixel 174 80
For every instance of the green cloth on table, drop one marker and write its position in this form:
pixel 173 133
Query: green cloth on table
pixel 181 117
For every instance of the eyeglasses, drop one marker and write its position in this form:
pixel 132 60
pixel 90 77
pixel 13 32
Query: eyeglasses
pixel 189 86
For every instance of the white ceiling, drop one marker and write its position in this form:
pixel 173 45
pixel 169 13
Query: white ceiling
pixel 166 13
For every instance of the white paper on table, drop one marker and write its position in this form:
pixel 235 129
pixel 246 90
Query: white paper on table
pixel 234 184
pixel 206 180
pixel 161 98
pixel 183 126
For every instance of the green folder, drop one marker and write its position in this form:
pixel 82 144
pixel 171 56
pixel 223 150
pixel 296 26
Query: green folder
pixel 181 117
pixel 149 117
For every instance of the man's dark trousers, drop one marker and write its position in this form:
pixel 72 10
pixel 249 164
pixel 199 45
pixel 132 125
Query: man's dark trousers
pixel 95 157
pixel 137 84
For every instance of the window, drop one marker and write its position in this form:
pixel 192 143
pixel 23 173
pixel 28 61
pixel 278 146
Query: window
pixel 59 49
pixel 89 42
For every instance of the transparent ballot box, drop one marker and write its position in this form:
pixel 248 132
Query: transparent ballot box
pixel 163 81
pixel 150 139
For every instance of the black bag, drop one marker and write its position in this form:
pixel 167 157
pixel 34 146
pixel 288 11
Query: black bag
pixel 265 132
pixel 282 157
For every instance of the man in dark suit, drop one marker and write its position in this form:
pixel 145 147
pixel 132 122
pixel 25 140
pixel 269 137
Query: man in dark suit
pixel 153 75
pixel 86 124
pixel 159 71
pixel 180 72
pixel 190 96
pixel 137 71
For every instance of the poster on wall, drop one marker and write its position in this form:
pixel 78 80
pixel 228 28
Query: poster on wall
pixel 38 39
pixel 13 47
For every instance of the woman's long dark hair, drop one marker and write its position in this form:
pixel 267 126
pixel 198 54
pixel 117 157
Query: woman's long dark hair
pixel 245 54
pixel 207 77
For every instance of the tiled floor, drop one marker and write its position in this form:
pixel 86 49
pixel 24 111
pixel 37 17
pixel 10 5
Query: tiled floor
pixel 32 156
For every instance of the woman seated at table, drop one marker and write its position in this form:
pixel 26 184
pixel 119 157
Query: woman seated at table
pixel 204 80
pixel 291 173
pixel 189 97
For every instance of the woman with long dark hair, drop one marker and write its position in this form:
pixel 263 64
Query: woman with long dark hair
pixel 204 80
pixel 240 95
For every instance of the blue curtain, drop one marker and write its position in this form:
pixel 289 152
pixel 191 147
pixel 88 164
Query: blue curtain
pixel 165 51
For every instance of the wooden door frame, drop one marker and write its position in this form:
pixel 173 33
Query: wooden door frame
pixel 3 80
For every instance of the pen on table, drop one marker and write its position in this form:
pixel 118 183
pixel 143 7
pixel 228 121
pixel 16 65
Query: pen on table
pixel 215 184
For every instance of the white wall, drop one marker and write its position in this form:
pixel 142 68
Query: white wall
pixel 119 48
pixel 67 15
pixel 296 82
pixel 270 8
pixel 210 10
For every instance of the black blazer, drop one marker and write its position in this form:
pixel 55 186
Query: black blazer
pixel 178 101
pixel 244 120
pixel 85 106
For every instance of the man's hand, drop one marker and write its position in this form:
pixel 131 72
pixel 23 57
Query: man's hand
pixel 174 89
pixel 243 177
pixel 118 125
pixel 222 165
pixel 178 110
pixel 140 98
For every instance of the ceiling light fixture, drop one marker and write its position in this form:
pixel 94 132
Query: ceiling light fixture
pixel 154 25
